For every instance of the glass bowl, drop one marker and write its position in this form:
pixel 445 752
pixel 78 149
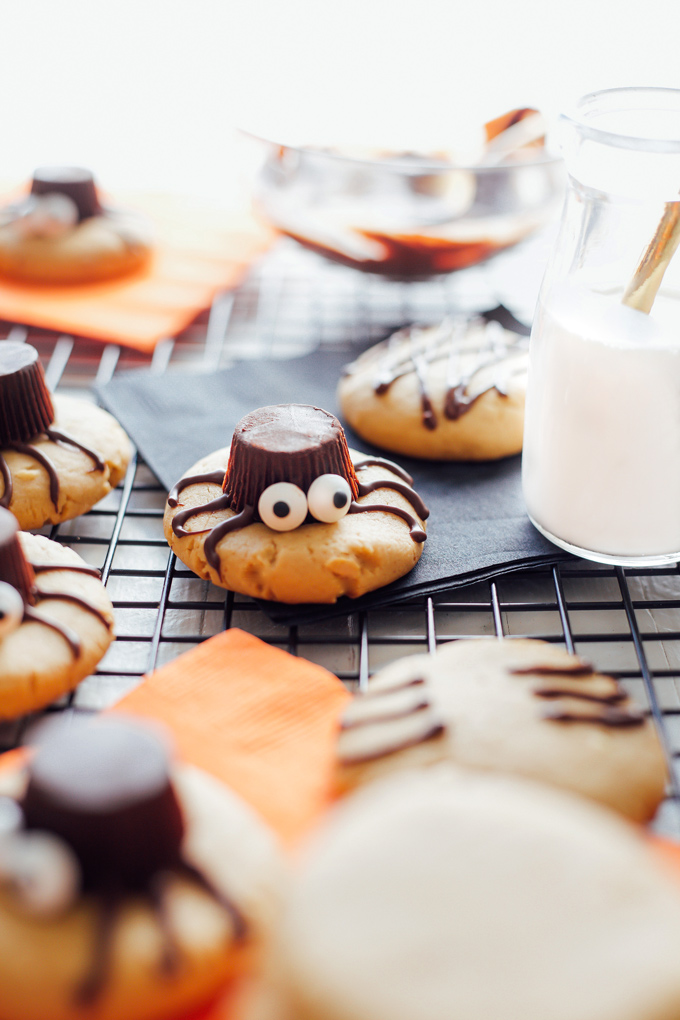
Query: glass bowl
pixel 407 215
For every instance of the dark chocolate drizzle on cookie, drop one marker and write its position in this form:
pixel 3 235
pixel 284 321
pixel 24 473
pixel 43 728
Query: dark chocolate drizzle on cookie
pixel 105 789
pixel 26 413
pixel 294 443
pixel 16 570
pixel 413 350
pixel 378 707
pixel 602 709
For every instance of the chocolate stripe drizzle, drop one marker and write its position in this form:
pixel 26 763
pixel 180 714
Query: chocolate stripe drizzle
pixel 413 350
pixel 383 462
pixel 67 440
pixel 242 520
pixel 69 636
pixel 209 478
pixel 31 451
pixel 387 716
pixel 616 718
pixel 416 532
pixel 607 708
pixel 43 568
pixel 77 601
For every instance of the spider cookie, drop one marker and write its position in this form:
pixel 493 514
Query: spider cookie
pixel 62 234
pixel 453 896
pixel 126 890
pixel 449 392
pixel 518 706
pixel 58 455
pixel 287 514
pixel 56 620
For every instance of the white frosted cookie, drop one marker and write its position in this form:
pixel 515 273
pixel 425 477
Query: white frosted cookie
pixel 518 706
pixel 298 518
pixel 453 896
pixel 61 628
pixel 159 919
pixel 62 234
pixel 449 392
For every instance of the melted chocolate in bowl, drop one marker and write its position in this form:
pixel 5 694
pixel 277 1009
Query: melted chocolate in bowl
pixel 410 215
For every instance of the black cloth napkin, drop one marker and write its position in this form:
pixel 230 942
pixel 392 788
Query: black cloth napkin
pixel 478 527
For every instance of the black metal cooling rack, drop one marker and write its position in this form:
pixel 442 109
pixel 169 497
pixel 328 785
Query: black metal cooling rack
pixel 627 622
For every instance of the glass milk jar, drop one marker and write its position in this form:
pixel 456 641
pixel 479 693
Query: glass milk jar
pixel 601 463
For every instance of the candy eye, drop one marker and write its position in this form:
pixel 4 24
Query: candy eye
pixel 11 609
pixel 40 871
pixel 282 506
pixel 329 498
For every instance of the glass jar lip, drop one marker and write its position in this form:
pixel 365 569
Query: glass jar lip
pixel 577 118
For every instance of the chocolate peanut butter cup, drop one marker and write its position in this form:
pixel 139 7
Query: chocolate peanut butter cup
pixel 285 443
pixel 25 403
pixel 14 567
pixel 105 789
pixel 74 182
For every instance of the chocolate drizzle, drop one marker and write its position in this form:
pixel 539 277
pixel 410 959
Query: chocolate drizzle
pixel 365 488
pixel 208 478
pixel 384 721
pixel 79 568
pixel 416 531
pixel 16 570
pixel 69 636
pixel 26 412
pixel 601 708
pixel 383 462
pixel 65 596
pixel 63 437
pixel 105 789
pixel 616 718
pixel 241 520
pixel 466 348
pixel 293 443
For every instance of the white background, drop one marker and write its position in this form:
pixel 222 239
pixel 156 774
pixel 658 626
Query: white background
pixel 146 91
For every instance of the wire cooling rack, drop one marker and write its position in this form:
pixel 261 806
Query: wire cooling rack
pixel 627 622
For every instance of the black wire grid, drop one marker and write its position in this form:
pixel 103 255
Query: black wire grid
pixel 627 622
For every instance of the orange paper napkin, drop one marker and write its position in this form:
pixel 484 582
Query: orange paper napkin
pixel 200 251
pixel 259 719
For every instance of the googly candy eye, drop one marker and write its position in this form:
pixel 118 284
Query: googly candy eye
pixel 11 609
pixel 329 498
pixel 41 872
pixel 282 506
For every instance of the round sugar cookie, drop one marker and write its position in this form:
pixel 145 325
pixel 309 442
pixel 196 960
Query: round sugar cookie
pixel 158 961
pixel 455 896
pixel 80 479
pixel 449 392
pixel 515 706
pixel 352 524
pixel 62 637
pixel 61 233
